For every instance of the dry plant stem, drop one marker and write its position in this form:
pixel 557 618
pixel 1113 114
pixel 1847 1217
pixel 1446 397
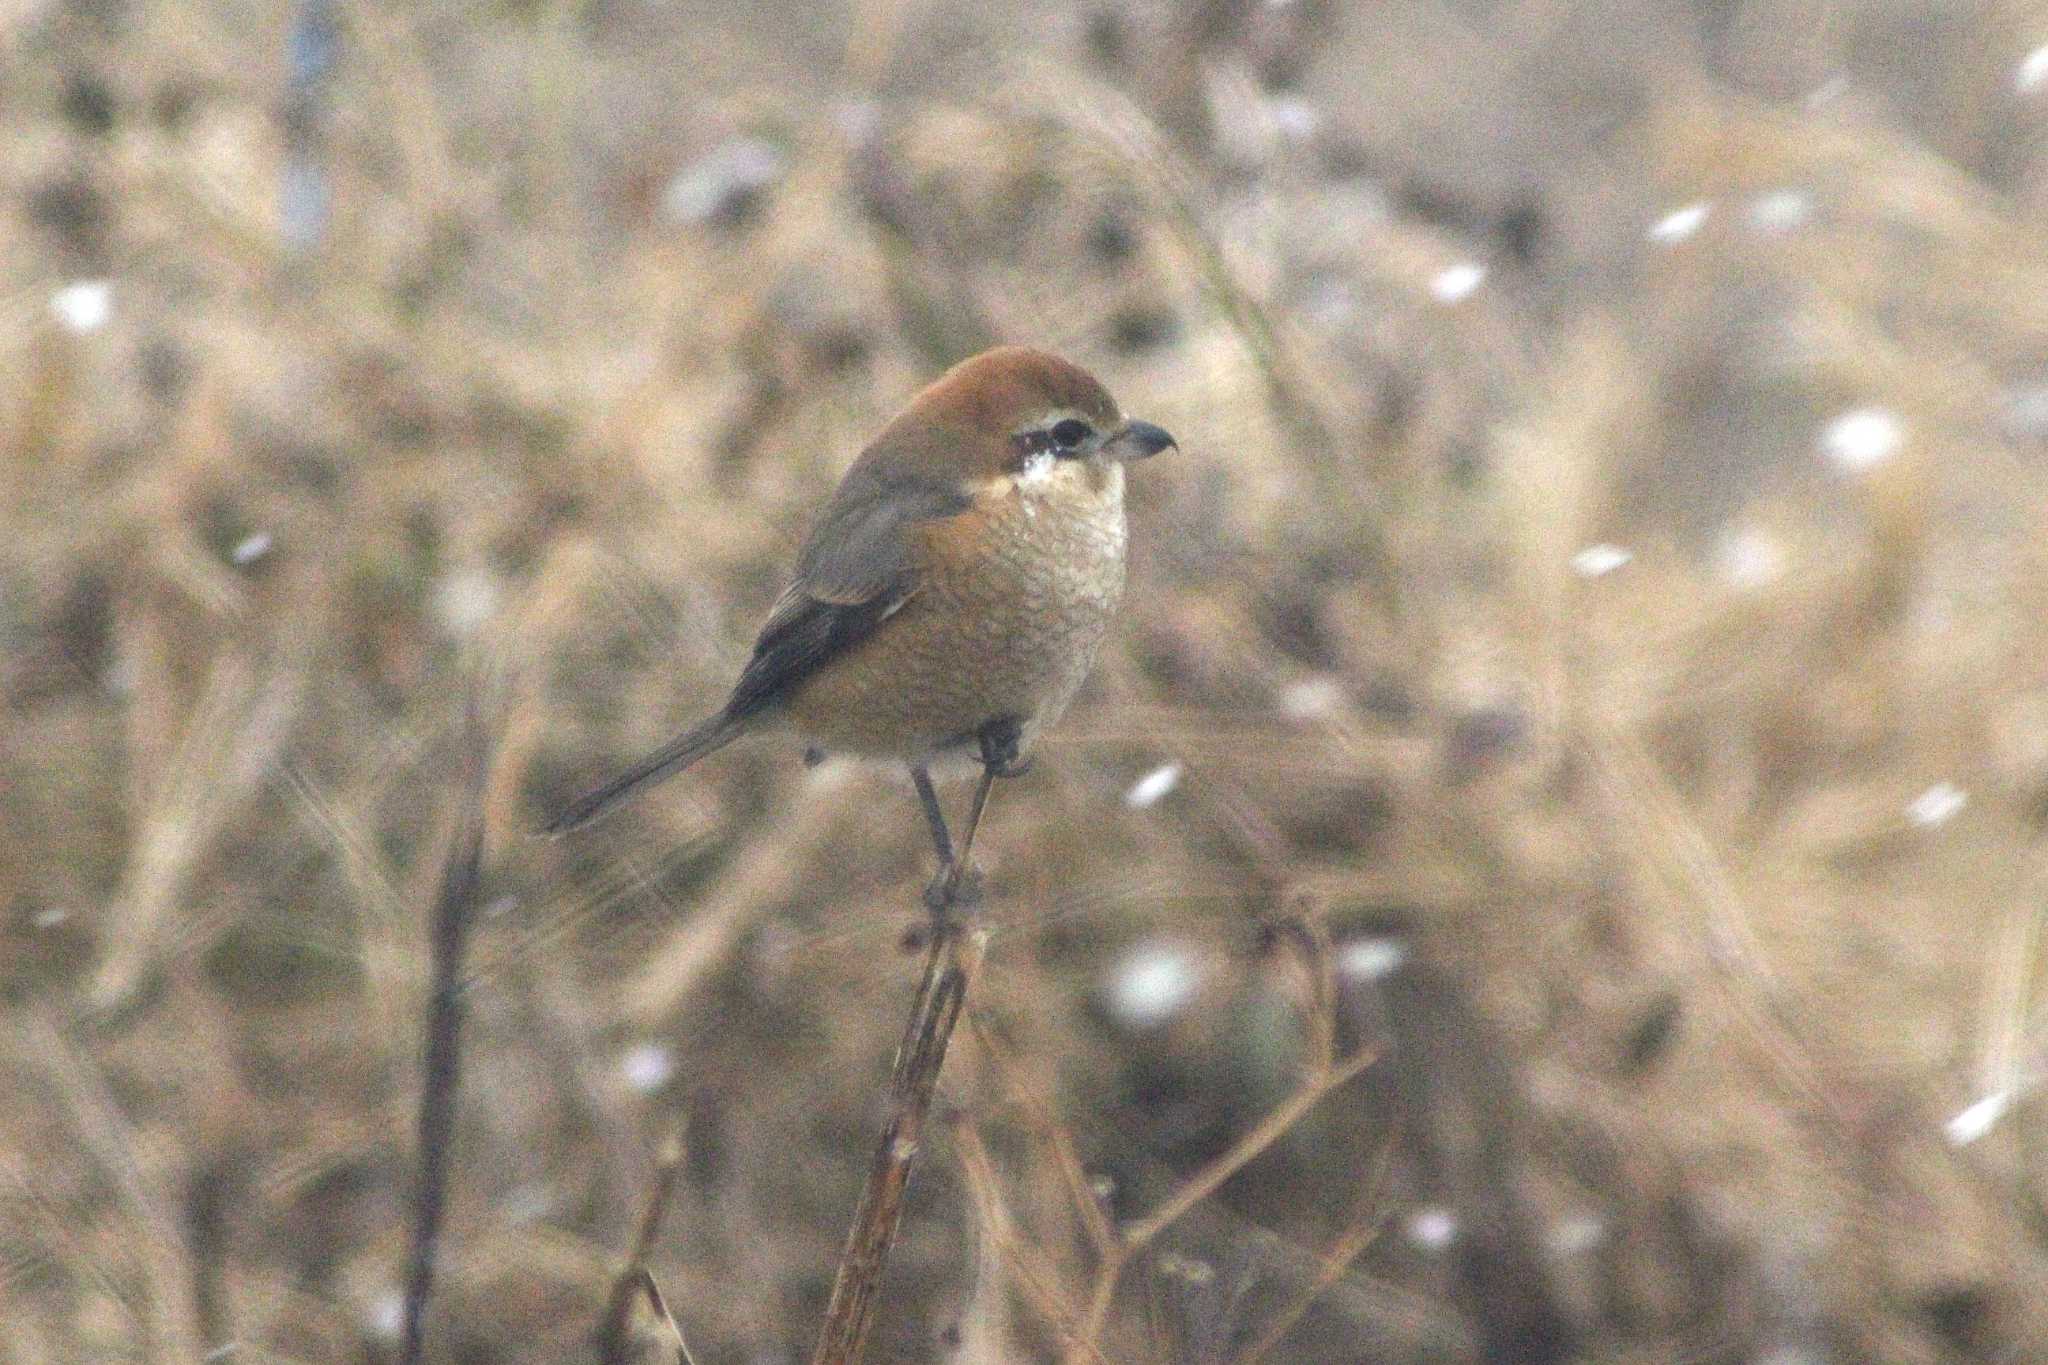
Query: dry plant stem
pixel 103 1133
pixel 950 962
pixel 614 1341
pixel 932 1017
pixel 1136 1236
pixel 454 912
pixel 1034 1275
pixel 1679 853
pixel 1349 1245
pixel 1055 1135
pixel 643 1280
pixel 1311 941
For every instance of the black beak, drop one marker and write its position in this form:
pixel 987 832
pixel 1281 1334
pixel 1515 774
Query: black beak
pixel 1140 441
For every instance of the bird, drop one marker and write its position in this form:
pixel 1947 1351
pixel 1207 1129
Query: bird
pixel 952 595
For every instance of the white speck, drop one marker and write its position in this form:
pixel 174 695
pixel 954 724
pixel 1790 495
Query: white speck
pixel 1749 558
pixel 1186 1268
pixel 1780 211
pixel 647 1067
pixel 1827 92
pixel 1102 1187
pixel 465 600
pixel 1369 959
pixel 304 198
pixel 1680 223
pixel 500 906
pixel 857 119
pixel 1456 282
pixel 227 1350
pixel 121 675
pixel 1294 117
pixel 1149 790
pixel 1151 985
pixel 252 548
pixel 1432 1228
pixel 1597 560
pixel 2023 410
pixel 1863 438
pixel 1937 805
pixel 526 1203
pixel 1978 1119
pixel 1576 1235
pixel 722 180
pixel 385 1315
pixel 2033 71
pixel 50 918
pixel 1311 698
pixel 84 306
pixel 1330 303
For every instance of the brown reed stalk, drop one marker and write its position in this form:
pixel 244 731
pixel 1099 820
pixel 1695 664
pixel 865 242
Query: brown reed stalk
pixel 950 965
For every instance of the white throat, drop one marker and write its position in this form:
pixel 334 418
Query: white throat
pixel 1083 487
pixel 1039 468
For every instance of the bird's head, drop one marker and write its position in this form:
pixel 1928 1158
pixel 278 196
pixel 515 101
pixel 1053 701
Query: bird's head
pixel 1017 417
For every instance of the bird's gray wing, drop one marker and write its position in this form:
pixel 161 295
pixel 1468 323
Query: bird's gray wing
pixel 854 572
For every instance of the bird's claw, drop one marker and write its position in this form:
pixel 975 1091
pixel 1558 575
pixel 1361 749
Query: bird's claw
pixel 1000 742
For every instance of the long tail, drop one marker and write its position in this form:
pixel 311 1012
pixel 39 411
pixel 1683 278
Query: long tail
pixel 678 754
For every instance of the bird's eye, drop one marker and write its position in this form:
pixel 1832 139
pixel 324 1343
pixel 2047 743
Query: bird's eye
pixel 1069 434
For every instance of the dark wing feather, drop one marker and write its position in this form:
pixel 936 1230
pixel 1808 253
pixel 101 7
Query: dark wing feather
pixel 854 572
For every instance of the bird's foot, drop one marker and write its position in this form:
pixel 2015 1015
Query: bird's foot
pixel 1001 739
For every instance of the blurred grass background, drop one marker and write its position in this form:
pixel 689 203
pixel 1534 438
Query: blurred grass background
pixel 1595 623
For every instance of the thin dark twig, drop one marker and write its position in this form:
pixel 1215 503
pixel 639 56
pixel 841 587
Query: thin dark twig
pixel 613 1339
pixel 454 912
pixel 950 963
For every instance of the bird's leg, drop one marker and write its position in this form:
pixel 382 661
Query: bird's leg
pixel 981 791
pixel 954 885
pixel 959 882
pixel 921 778
pixel 999 741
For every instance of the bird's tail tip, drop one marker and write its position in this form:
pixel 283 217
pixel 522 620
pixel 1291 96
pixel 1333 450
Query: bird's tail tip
pixel 665 762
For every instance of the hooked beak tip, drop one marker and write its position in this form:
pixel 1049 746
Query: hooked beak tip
pixel 1142 440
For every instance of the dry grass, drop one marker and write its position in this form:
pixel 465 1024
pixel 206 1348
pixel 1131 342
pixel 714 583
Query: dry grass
pixel 1649 889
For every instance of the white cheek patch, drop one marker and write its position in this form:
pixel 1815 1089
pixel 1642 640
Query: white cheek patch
pixel 1037 470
